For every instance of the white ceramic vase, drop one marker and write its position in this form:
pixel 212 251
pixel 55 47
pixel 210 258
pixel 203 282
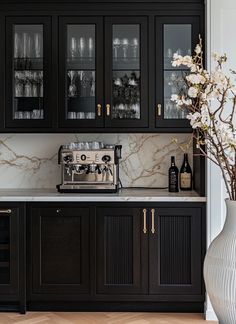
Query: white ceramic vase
pixel 220 269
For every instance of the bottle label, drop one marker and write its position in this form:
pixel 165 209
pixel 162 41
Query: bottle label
pixel 185 179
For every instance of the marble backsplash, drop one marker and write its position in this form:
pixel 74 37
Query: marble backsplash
pixel 30 160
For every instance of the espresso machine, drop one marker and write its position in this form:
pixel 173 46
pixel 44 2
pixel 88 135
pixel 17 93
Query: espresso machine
pixel 89 167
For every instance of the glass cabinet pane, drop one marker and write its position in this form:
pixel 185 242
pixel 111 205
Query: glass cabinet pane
pixel 80 70
pixel 177 39
pixel 126 72
pixel 28 72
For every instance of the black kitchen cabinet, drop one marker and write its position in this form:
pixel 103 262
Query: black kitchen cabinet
pixel 90 67
pixel 122 250
pixel 173 35
pixel 12 257
pixel 28 72
pixel 175 251
pixel 59 251
pixel 115 255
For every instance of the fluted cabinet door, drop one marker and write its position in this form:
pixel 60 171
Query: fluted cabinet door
pixel 175 261
pixel 121 251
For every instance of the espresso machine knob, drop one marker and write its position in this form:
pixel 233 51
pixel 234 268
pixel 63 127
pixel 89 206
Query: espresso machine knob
pixel 83 157
pixel 68 158
pixel 106 158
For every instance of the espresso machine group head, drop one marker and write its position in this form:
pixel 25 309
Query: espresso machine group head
pixel 89 168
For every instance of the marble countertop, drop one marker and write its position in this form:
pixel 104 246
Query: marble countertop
pixel 129 195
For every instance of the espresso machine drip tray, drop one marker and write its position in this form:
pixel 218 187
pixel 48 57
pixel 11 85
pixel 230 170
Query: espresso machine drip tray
pixel 89 167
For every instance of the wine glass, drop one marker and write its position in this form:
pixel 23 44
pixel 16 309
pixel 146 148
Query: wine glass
pixel 135 45
pixel 90 47
pixel 81 46
pixel 73 48
pixel 125 45
pixel 72 86
pixel 38 45
pixel 116 45
pixel 17 46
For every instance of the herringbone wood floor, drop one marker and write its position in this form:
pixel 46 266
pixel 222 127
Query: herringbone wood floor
pixel 101 318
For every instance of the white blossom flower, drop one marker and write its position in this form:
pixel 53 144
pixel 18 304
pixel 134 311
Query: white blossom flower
pixel 195 120
pixel 192 92
pixel 174 97
pixel 198 49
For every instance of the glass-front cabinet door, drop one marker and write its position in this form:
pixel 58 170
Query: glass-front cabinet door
pixel 80 75
pixel 126 103
pixel 173 35
pixel 28 69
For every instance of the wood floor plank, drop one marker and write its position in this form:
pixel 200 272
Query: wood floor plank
pixel 102 318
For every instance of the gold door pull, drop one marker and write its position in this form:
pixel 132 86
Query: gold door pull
pixel 5 211
pixel 145 221
pixel 108 109
pixel 153 220
pixel 158 109
pixel 99 110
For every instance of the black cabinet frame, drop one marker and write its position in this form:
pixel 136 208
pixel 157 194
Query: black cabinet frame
pixel 10 122
pixel 52 15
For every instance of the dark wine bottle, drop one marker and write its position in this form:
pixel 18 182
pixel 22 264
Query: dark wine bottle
pixel 173 176
pixel 186 175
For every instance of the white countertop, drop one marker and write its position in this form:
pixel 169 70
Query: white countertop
pixel 129 195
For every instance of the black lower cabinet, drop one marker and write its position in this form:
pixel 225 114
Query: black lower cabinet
pixel 175 253
pixel 59 240
pixel 116 256
pixel 122 251
pixel 12 257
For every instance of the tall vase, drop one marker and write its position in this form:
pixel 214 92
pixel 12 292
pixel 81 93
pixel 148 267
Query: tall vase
pixel 220 269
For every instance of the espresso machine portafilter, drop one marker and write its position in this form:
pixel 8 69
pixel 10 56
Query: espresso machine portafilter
pixel 89 169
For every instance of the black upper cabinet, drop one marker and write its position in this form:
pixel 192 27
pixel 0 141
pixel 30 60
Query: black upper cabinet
pixel 96 67
pixel 173 35
pixel 81 72
pixel 28 72
pixel 126 72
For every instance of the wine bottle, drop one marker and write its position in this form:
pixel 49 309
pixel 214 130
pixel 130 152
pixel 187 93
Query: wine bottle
pixel 185 175
pixel 173 176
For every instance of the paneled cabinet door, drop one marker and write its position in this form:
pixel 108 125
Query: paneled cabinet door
pixel 122 252
pixel 81 72
pixel 173 35
pixel 59 243
pixel 28 72
pixel 175 264
pixel 126 83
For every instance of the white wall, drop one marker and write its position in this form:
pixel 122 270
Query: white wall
pixel 221 30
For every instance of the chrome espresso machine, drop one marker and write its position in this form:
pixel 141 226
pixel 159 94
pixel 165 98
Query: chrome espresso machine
pixel 89 167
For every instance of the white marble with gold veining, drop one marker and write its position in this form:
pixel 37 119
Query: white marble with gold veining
pixel 30 160
pixel 124 195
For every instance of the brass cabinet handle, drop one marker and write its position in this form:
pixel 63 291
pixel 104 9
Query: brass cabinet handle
pixel 5 211
pixel 99 110
pixel 108 109
pixel 144 220
pixel 158 109
pixel 153 221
